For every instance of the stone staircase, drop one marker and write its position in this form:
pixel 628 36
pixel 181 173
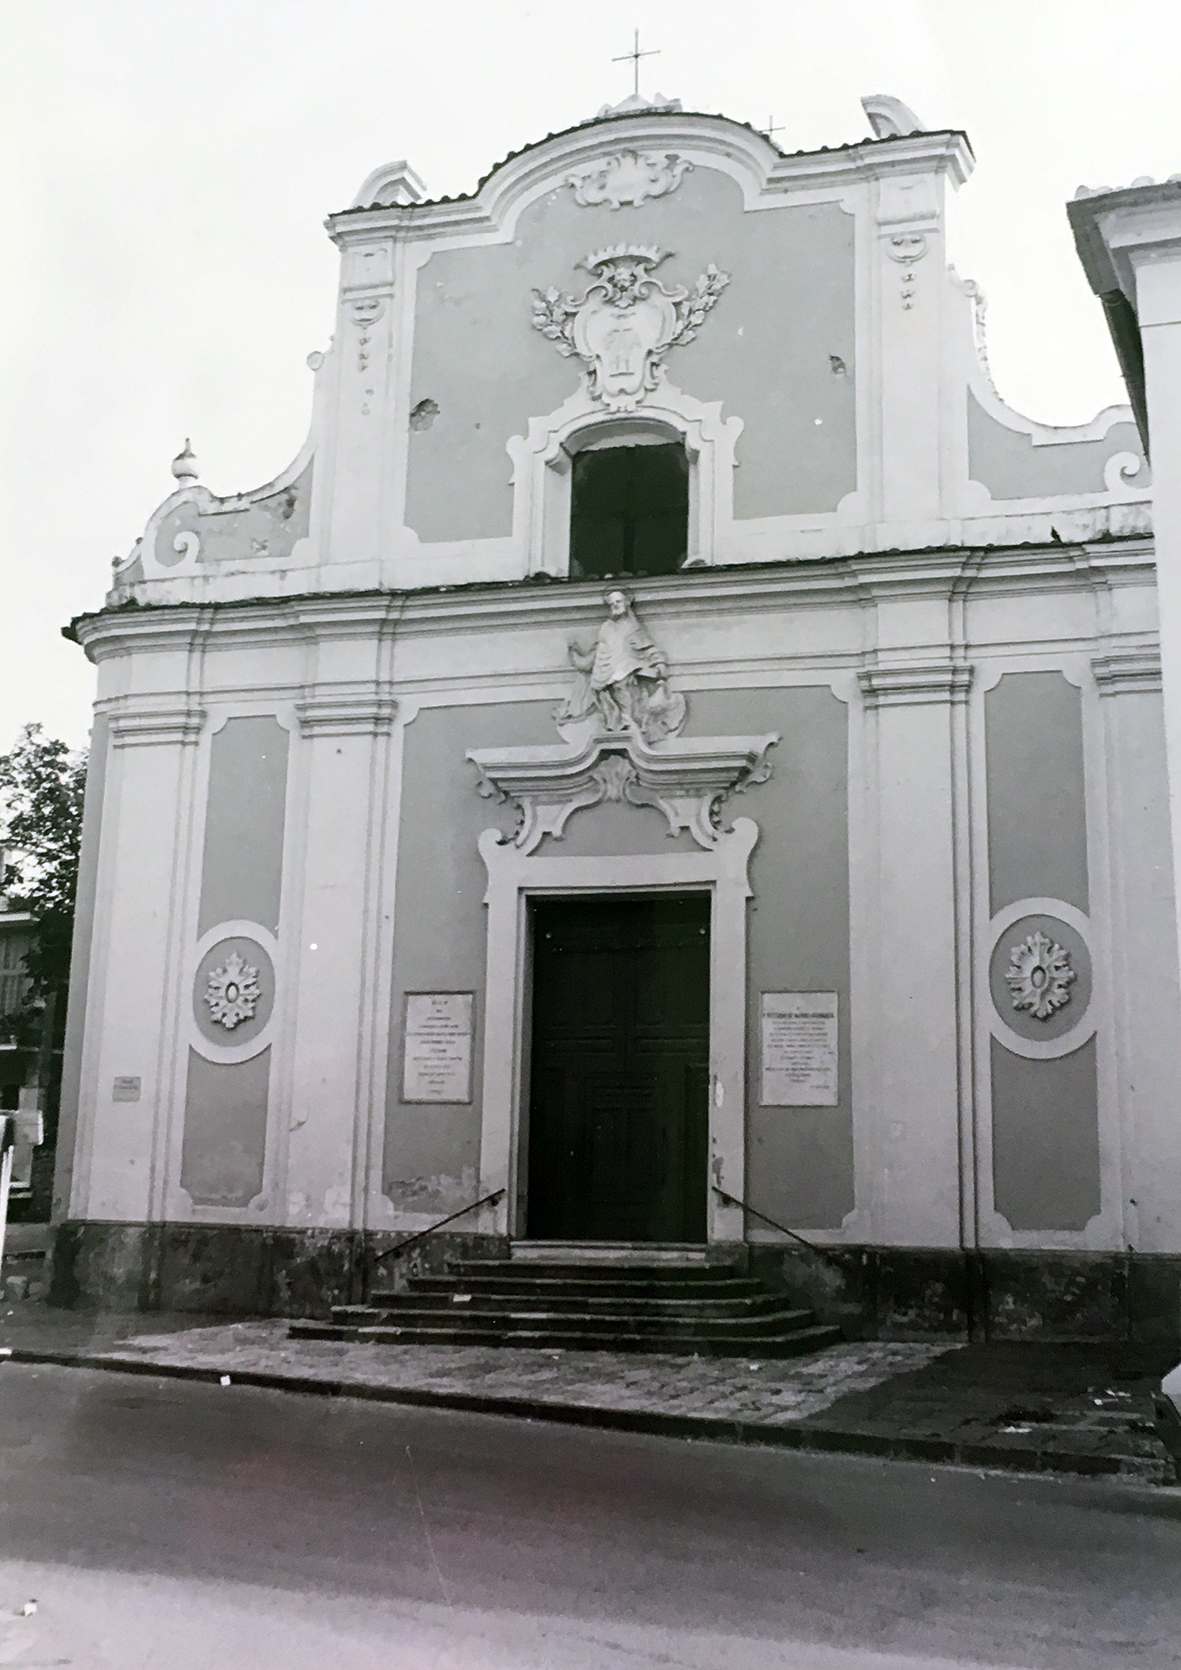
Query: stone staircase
pixel 691 1308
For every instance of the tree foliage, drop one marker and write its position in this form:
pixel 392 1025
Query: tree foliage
pixel 41 791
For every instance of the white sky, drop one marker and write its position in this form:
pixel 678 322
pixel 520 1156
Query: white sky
pixel 166 166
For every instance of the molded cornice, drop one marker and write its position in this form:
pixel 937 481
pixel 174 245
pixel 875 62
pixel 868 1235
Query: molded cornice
pixel 920 684
pixel 145 723
pixel 1128 672
pixel 489 607
pixel 363 708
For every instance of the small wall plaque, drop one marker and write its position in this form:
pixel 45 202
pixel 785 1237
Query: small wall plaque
pixel 437 1063
pixel 126 1090
pixel 799 1050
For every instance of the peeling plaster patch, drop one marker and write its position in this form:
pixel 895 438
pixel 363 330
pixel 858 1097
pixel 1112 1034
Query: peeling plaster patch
pixel 424 414
pixel 211 530
pixel 434 1194
pixel 337 1201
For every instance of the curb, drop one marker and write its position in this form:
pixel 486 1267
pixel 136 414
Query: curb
pixel 711 1429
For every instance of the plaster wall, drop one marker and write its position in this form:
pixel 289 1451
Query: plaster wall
pixel 948 612
pixel 1010 464
pixel 1037 823
pixel 1147 1000
pixel 836 396
pixel 224 1147
pixel 144 874
pixel 1045 1114
pixel 223 1152
pixel 799 1160
pixel 858 878
pixel 912 834
pixel 766 351
pixel 82 956
pixel 206 531
pixel 242 866
pixel 1046 1163
pixel 431 1153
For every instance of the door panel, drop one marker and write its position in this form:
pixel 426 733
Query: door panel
pixel 618 1120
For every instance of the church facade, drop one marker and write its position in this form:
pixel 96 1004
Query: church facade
pixel 675 762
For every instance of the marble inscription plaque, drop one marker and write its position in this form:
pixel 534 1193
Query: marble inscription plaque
pixel 799 1053
pixel 437 1065
pixel 125 1089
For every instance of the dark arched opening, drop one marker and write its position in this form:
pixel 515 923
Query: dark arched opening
pixel 629 510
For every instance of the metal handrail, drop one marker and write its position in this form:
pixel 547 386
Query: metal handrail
pixel 420 1235
pixel 782 1228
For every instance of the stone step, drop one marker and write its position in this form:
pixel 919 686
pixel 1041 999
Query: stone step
pixel 561 1303
pixel 664 1304
pixel 575 1287
pixel 615 1252
pixel 658 1273
pixel 458 1319
pixel 761 1348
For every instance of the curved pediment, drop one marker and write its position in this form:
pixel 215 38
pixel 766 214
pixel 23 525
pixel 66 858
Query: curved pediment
pixel 619 161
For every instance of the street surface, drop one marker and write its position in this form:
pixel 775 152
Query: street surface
pixel 169 1525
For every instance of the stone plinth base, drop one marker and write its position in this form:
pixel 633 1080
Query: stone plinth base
pixel 234 1270
pixel 916 1292
pixel 871 1292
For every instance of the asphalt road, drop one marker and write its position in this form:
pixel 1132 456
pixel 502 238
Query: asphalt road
pixel 165 1525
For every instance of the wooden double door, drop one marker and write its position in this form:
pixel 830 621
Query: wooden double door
pixel 619 1092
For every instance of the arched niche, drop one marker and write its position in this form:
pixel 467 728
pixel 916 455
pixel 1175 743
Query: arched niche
pixel 543 464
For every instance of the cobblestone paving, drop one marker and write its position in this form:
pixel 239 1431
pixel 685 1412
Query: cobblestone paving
pixel 1080 1409
pixel 771 1393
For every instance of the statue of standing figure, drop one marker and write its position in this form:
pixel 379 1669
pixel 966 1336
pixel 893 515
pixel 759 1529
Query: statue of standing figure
pixel 624 679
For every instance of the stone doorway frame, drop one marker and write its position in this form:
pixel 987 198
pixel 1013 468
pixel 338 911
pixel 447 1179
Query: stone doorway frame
pixel 513 877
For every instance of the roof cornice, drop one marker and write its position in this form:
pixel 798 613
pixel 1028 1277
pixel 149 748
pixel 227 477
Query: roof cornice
pixel 1114 233
pixel 771 170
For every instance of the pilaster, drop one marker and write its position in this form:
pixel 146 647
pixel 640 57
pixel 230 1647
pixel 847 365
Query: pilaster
pixel 916 720
pixel 910 302
pixel 127 1090
pixel 343 759
pixel 369 345
pixel 1145 999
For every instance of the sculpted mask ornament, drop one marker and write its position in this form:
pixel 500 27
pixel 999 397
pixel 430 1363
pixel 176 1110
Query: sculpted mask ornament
pixel 623 680
pixel 628 177
pixel 626 322
pixel 232 991
pixel 1039 976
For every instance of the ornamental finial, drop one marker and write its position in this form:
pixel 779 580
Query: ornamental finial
pixel 184 465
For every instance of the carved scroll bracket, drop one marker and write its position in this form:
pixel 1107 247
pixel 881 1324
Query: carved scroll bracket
pixel 684 779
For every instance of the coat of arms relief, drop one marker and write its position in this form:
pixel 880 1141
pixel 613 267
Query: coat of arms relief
pixel 626 321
